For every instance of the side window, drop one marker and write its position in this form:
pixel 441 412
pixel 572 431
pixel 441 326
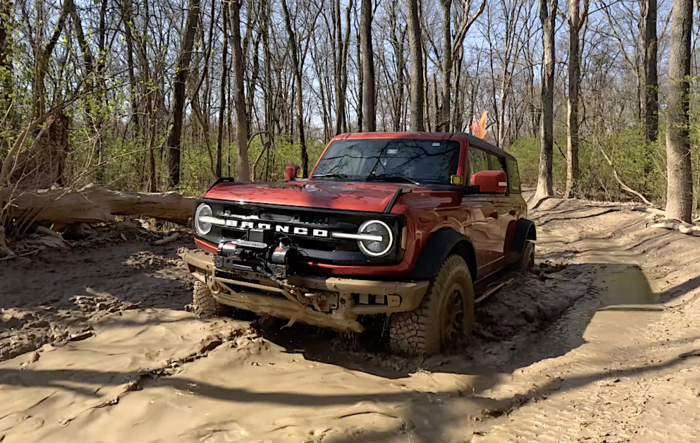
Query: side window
pixel 478 161
pixel 513 176
pixel 497 163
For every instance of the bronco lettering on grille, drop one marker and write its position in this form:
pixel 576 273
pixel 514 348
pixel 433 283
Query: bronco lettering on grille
pixel 284 229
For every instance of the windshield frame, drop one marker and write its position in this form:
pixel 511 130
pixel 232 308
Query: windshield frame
pixel 460 162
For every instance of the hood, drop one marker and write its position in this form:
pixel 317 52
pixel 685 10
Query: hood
pixel 349 196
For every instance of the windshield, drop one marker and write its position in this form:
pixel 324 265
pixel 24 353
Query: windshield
pixel 403 161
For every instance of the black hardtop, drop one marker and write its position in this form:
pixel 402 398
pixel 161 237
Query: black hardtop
pixel 486 146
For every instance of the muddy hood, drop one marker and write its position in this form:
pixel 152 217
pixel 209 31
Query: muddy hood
pixel 369 197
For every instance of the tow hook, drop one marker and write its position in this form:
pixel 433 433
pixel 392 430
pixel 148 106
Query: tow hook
pixel 315 298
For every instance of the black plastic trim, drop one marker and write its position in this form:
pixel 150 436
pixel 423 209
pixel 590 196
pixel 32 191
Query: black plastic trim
pixel 524 230
pixel 221 180
pixel 394 198
pixel 436 251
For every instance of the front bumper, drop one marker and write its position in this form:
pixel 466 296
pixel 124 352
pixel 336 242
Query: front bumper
pixel 323 301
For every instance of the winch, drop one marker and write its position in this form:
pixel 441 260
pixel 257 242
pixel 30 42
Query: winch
pixel 258 252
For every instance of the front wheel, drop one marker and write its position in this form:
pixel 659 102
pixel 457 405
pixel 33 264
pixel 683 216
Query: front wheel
pixel 444 317
pixel 204 305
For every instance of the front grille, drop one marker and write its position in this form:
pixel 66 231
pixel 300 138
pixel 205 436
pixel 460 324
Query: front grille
pixel 308 229
pixel 309 222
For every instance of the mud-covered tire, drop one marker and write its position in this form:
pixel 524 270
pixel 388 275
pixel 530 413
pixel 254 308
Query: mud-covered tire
pixel 204 305
pixel 526 261
pixel 426 330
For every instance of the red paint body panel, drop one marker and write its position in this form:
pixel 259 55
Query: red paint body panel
pixel 488 220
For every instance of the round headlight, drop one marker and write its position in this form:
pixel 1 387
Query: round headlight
pixel 376 248
pixel 200 226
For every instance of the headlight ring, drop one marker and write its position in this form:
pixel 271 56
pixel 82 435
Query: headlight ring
pixel 203 212
pixel 376 248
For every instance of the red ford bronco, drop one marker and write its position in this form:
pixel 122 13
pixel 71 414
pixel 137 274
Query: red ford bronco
pixel 404 225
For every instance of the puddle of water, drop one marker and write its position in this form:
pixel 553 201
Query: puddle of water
pixel 629 288
pixel 629 306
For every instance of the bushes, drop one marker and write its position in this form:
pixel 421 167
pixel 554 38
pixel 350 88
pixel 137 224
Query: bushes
pixel 640 166
pixel 128 167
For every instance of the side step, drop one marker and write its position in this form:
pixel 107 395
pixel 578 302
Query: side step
pixel 492 289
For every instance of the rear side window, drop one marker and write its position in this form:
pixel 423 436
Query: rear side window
pixel 497 163
pixel 478 161
pixel 513 176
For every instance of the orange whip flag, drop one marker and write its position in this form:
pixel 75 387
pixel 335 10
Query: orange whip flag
pixel 479 126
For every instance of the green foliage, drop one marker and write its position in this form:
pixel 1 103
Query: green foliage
pixel 639 166
pixel 128 165
pixel 527 151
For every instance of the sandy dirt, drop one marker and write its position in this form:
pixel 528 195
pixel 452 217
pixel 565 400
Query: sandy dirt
pixel 601 343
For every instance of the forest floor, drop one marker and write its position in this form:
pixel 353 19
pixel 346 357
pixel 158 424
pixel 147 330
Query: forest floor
pixel 600 344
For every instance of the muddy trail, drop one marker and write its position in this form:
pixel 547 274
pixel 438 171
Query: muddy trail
pixel 601 343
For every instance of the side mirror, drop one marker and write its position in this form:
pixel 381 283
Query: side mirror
pixel 491 182
pixel 290 172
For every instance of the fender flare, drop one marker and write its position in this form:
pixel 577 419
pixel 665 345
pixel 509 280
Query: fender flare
pixel 439 246
pixel 524 230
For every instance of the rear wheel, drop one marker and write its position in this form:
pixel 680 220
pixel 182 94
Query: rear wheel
pixel 527 259
pixel 444 317
pixel 204 305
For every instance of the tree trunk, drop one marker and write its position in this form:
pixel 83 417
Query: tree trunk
pixel 43 54
pixel 572 171
pixel 92 109
pixel 179 89
pixel 341 44
pixel 442 115
pixel 360 82
pixel 129 38
pixel 548 16
pixel 369 114
pixel 267 62
pixel 679 200
pixel 239 92
pixel 416 54
pixel 651 79
pixel 222 95
pixel 296 65
pixel 398 38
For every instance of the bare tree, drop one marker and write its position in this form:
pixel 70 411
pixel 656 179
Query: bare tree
pixel 341 45
pixel 576 21
pixel 451 51
pixel 545 188
pixel 296 65
pixel 222 93
pixel 416 53
pixel 239 91
pixel 679 200
pixel 369 113
pixel 651 81
pixel 175 137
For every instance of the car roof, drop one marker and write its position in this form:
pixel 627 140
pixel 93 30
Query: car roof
pixel 471 140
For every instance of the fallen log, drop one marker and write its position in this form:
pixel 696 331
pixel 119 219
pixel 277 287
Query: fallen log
pixel 95 204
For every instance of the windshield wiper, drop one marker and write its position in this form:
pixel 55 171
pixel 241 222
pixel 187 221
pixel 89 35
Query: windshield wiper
pixel 391 178
pixel 336 176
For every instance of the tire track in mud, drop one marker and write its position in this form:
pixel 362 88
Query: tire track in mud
pixel 623 384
